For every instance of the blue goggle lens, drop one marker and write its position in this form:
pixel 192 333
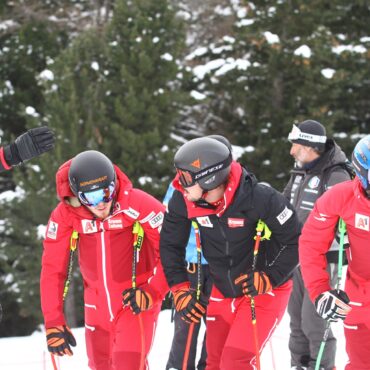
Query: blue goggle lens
pixel 93 198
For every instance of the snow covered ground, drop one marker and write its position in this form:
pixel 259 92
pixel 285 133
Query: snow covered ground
pixel 20 353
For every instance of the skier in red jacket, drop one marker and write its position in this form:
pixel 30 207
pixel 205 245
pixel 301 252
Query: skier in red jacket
pixel 350 201
pixel 98 201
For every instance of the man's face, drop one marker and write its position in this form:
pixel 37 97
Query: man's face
pixel 101 210
pixel 193 193
pixel 301 153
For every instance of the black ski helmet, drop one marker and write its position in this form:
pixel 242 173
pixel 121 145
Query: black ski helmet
pixel 89 171
pixel 205 161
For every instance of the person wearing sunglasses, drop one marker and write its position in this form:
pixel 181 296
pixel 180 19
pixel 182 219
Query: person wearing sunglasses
pixel 98 201
pixel 226 202
pixel 349 201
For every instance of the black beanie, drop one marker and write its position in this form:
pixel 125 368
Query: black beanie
pixel 309 133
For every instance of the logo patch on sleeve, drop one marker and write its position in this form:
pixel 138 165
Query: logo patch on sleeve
pixel 131 213
pixel 89 226
pixel 235 222
pixel 52 230
pixel 362 222
pixel 157 220
pixel 284 216
pixel 204 221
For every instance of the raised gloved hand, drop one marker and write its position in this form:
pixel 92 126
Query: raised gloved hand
pixel 139 300
pixel 59 340
pixel 333 305
pixel 188 306
pixel 254 283
pixel 31 144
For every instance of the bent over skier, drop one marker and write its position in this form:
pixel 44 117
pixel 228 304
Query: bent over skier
pixel 227 203
pixel 98 202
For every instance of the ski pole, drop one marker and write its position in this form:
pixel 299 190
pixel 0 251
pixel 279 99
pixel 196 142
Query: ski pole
pixel 342 231
pixel 72 246
pixel 53 362
pixel 261 227
pixel 198 290
pixel 138 232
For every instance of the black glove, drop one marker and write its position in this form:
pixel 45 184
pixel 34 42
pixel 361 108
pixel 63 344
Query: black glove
pixel 137 299
pixel 31 144
pixel 254 283
pixel 333 305
pixel 59 339
pixel 188 306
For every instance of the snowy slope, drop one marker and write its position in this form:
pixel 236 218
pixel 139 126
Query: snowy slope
pixel 22 353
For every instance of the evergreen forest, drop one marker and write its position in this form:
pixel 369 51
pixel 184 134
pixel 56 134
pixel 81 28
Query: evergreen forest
pixel 136 79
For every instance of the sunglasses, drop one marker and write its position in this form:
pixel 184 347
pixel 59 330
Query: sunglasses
pixel 93 198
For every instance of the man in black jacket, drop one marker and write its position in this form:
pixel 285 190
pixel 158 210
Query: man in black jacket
pixel 226 203
pixel 319 164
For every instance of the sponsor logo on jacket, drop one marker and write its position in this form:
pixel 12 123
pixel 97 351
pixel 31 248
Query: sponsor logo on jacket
pixel 131 213
pixel 314 182
pixel 284 216
pixel 115 224
pixel 235 222
pixel 89 226
pixel 156 220
pixel 362 222
pixel 204 221
pixel 52 230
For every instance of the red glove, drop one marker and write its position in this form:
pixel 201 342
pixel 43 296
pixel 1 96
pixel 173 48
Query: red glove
pixel 188 306
pixel 138 300
pixel 59 339
pixel 254 283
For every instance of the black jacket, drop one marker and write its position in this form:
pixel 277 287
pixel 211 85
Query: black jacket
pixel 305 186
pixel 228 236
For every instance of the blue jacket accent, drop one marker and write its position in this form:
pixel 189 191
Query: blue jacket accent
pixel 191 248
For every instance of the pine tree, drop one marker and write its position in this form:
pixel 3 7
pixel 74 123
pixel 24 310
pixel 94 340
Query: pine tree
pixel 145 40
pixel 274 71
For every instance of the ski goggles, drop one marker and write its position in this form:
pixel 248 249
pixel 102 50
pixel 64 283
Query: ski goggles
pixel 188 178
pixel 297 134
pixel 93 198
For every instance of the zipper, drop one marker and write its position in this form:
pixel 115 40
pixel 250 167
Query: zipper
pixel 104 270
pixel 229 279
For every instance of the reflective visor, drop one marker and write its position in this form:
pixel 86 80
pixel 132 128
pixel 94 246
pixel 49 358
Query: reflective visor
pixel 93 198
pixel 186 178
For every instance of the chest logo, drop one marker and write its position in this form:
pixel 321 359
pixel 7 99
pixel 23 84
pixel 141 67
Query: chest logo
pixel 204 221
pixel 362 222
pixel 115 224
pixel 52 230
pixel 89 226
pixel 314 182
pixel 235 222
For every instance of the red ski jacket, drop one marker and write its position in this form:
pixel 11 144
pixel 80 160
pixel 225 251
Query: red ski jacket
pixel 105 250
pixel 348 201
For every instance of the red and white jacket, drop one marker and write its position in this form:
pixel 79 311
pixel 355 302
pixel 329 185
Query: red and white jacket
pixel 105 251
pixel 347 201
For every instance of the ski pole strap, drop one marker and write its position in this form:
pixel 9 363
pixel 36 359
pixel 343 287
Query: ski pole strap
pixel 262 230
pixel 199 258
pixel 72 246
